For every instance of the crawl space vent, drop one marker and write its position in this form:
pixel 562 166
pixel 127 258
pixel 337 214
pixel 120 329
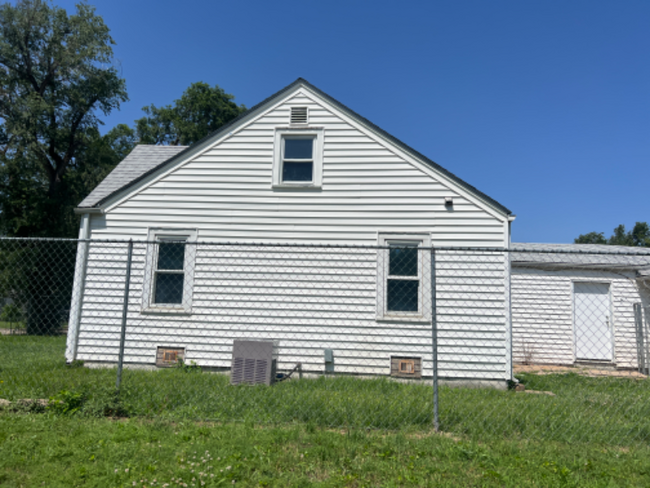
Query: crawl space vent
pixel 167 356
pixel 253 362
pixel 298 115
pixel 406 367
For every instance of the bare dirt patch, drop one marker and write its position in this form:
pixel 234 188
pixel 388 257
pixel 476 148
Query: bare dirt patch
pixel 581 370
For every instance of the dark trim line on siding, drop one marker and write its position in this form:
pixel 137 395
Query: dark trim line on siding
pixel 300 81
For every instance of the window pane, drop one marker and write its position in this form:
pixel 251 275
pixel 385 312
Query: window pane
pixel 402 296
pixel 403 261
pixel 169 288
pixel 298 148
pixel 171 255
pixel 297 171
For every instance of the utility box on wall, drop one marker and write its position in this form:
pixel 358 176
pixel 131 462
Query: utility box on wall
pixel 329 361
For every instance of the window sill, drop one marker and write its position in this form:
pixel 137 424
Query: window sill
pixel 296 186
pixel 411 319
pixel 166 311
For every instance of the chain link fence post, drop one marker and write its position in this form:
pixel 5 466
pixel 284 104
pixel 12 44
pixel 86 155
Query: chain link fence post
pixel 434 342
pixel 125 310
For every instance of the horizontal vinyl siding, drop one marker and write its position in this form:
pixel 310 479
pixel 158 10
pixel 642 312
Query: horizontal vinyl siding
pixel 308 299
pixel 542 314
pixel 226 193
pixel 471 313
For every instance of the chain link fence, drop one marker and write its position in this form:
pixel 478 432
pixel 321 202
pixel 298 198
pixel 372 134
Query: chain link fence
pixel 530 342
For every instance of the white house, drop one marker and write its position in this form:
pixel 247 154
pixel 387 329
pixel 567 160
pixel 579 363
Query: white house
pixel 298 168
pixel 580 304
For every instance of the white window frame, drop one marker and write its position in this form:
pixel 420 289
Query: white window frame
pixel 418 240
pixel 148 287
pixel 314 133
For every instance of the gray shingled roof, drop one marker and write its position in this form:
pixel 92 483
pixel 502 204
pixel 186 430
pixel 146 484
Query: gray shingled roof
pixel 581 256
pixel 126 183
pixel 139 161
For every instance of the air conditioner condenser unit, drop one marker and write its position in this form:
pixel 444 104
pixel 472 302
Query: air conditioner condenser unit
pixel 253 362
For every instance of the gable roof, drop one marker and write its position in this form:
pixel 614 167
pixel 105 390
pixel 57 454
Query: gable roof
pixel 581 256
pixel 122 182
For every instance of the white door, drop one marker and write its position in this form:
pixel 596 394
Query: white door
pixel 591 318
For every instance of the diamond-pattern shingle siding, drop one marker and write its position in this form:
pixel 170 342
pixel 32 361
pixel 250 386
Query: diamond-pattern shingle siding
pixel 142 159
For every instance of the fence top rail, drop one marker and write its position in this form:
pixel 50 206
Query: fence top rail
pixel 519 249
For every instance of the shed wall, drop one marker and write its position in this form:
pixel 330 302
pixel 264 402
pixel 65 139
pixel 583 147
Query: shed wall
pixel 542 314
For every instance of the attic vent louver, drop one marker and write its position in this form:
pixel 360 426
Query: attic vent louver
pixel 299 115
pixel 253 362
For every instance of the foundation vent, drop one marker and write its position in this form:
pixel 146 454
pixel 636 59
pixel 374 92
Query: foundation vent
pixel 169 356
pixel 403 367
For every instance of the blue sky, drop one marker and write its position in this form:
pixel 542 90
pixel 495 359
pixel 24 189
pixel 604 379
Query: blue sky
pixel 544 106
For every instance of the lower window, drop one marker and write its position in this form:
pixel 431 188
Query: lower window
pixel 169 270
pixel 404 277
pixel 169 275
pixel 403 282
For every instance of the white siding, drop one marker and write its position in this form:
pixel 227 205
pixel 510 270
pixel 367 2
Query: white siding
pixel 226 193
pixel 307 301
pixel 542 314
pixel 471 314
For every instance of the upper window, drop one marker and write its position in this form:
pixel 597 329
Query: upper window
pixel 404 281
pixel 298 158
pixel 169 270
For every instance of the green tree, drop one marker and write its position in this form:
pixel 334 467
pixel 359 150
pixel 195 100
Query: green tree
pixel 201 110
pixel 639 236
pixel 591 238
pixel 620 237
pixel 23 201
pixel 97 157
pixel 55 76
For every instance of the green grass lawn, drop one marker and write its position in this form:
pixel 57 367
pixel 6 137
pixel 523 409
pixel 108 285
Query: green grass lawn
pixel 63 451
pixel 336 431
pixel 602 410
pixel 12 325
